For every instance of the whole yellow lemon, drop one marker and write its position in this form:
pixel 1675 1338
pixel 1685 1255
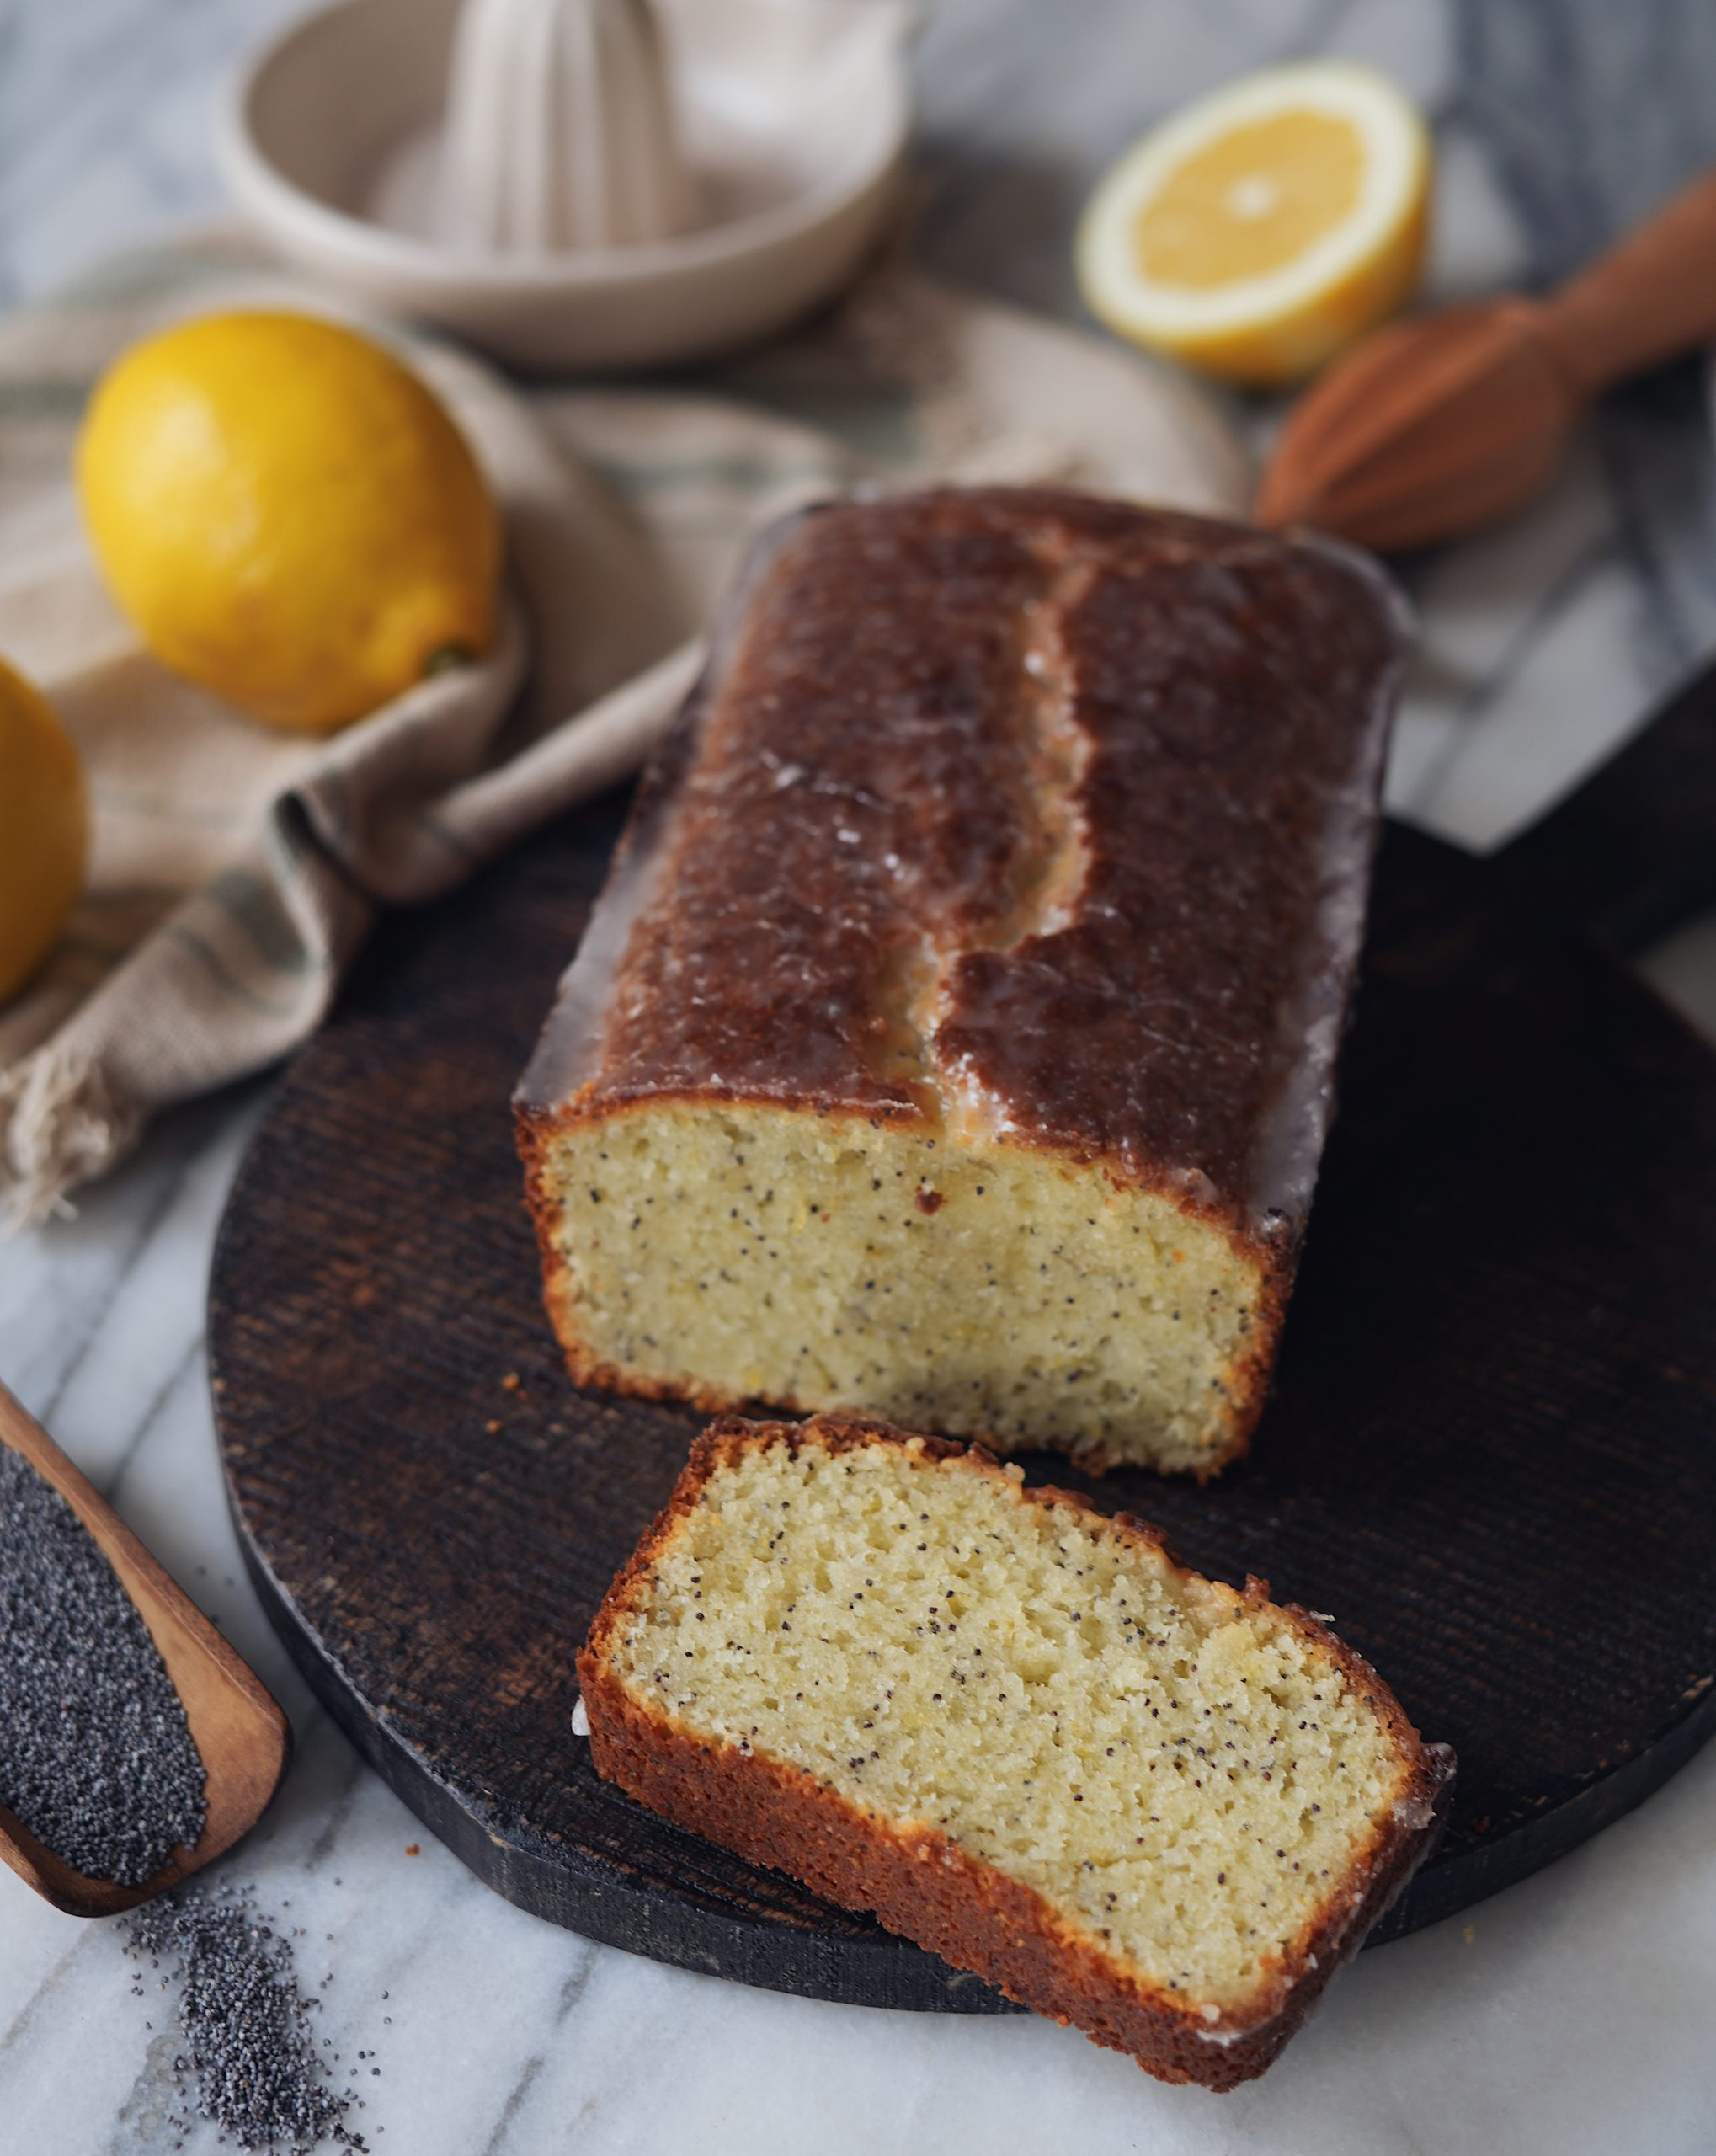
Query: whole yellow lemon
pixel 44 828
pixel 288 515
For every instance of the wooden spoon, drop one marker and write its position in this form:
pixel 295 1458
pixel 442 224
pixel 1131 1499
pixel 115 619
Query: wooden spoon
pixel 1433 427
pixel 242 1735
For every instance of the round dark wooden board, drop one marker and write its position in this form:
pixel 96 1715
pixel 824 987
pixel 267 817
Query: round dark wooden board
pixel 1490 1453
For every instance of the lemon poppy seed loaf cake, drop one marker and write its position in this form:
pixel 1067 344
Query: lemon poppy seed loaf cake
pixel 1017 1731
pixel 955 1038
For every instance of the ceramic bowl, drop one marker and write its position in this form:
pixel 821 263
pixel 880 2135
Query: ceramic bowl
pixel 795 115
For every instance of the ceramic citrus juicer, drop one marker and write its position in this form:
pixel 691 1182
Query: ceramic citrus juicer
pixel 561 129
pixel 578 183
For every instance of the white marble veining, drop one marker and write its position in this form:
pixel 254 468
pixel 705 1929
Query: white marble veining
pixel 1570 2014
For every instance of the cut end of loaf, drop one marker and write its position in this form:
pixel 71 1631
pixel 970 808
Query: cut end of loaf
pixel 734 1253
pixel 1018 1731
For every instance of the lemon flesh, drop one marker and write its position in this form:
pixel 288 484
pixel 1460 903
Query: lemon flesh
pixel 1266 226
pixel 288 515
pixel 44 829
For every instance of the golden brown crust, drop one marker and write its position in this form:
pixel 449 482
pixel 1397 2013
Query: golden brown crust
pixel 1119 757
pixel 921 1884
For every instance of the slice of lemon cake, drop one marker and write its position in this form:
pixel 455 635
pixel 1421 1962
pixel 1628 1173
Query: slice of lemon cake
pixel 1016 1730
pixel 955 1038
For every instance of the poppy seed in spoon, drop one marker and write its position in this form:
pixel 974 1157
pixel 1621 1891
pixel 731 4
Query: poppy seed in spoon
pixel 97 1759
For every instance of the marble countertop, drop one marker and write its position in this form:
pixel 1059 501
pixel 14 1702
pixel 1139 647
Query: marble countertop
pixel 1571 2014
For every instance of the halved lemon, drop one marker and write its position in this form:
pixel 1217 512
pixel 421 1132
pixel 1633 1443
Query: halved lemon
pixel 1266 226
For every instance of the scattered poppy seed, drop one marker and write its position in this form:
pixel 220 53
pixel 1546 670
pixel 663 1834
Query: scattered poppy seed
pixel 249 2064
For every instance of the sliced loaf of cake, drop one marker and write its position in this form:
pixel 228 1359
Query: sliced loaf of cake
pixel 1017 1730
pixel 955 1038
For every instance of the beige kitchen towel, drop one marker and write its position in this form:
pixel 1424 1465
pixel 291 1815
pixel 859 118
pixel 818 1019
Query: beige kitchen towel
pixel 235 871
